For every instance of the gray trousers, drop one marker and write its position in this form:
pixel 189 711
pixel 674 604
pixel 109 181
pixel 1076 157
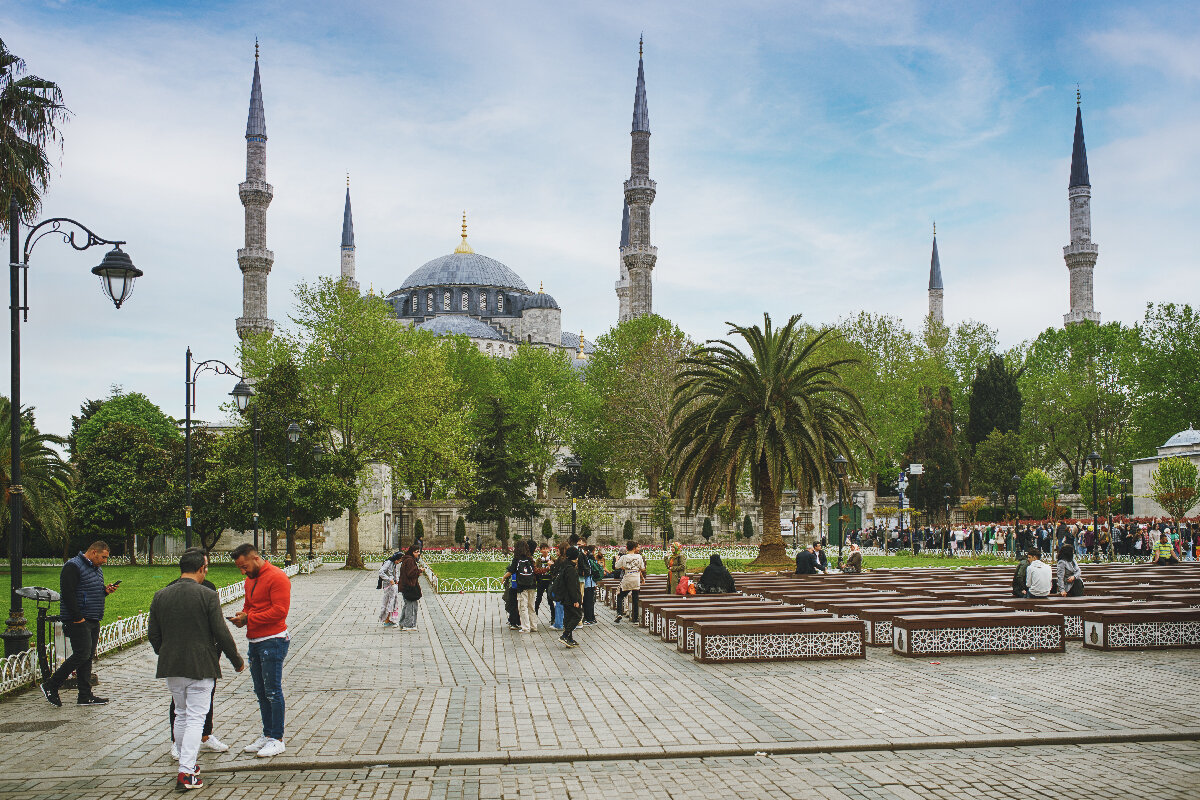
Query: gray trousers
pixel 408 615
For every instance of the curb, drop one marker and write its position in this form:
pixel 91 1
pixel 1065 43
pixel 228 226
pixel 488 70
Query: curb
pixel 814 747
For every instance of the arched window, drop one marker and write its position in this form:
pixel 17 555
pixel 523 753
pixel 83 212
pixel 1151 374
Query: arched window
pixel 500 302
pixel 464 301
pixel 429 302
pixel 415 308
pixel 445 301
pixel 483 302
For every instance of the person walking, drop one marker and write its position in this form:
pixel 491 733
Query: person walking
pixel 541 568
pixel 567 590
pixel 264 616
pixel 389 581
pixel 591 568
pixel 207 740
pixel 82 591
pixel 187 633
pixel 676 567
pixel 633 571
pixel 410 587
pixel 524 581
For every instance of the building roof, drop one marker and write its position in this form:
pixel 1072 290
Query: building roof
pixel 445 324
pixel 935 268
pixel 641 116
pixel 571 340
pixel 256 121
pixel 539 300
pixel 464 269
pixel 348 224
pixel 1079 169
pixel 1188 437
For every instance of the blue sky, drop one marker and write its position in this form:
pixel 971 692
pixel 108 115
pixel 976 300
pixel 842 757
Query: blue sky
pixel 802 151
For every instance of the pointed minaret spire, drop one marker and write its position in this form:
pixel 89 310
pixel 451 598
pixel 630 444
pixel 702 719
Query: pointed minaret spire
pixel 935 283
pixel 638 256
pixel 348 242
pixel 255 260
pixel 1081 253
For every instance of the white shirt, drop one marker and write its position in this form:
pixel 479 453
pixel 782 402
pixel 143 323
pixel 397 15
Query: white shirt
pixel 1037 578
pixel 632 565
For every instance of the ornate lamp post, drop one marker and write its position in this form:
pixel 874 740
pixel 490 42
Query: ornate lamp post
pixel 901 488
pixel 1094 463
pixel 293 436
pixel 574 466
pixel 1109 471
pixel 241 394
pixel 946 500
pixel 1125 483
pixel 189 405
pixel 317 453
pixel 1016 479
pixel 117 275
pixel 840 464
pixel 1054 520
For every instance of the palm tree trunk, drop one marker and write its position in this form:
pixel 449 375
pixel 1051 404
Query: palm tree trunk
pixel 772 553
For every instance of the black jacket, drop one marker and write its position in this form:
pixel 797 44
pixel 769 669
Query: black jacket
pixel 566 584
pixel 806 562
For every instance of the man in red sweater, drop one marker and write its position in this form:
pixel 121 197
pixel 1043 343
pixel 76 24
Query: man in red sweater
pixel 264 616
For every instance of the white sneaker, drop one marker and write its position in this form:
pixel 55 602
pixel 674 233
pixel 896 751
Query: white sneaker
pixel 174 751
pixel 256 745
pixel 213 745
pixel 273 747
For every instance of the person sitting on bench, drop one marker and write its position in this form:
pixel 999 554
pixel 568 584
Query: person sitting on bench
pixel 716 578
pixel 1164 551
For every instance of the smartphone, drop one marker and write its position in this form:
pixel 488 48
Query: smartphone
pixel 116 584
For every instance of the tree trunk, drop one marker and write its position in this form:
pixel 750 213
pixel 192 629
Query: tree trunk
pixel 150 550
pixel 772 553
pixel 131 548
pixel 652 485
pixel 353 555
pixel 540 484
pixel 291 544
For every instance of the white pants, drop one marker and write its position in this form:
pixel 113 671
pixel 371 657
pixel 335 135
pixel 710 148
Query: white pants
pixel 525 599
pixel 191 697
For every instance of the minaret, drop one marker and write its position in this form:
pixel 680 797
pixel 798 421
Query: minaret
pixel 255 259
pixel 348 242
pixel 1080 254
pixel 638 255
pixel 935 283
pixel 623 312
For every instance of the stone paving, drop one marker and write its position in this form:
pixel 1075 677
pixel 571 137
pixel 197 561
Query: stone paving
pixel 466 708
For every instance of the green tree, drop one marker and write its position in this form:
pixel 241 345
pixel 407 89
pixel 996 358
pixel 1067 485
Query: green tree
pixel 706 530
pixel 544 394
pixel 128 408
pixel 418 531
pixel 460 530
pixel 747 528
pixel 936 446
pixel 727 514
pixel 1105 484
pixel 1036 492
pixel 627 531
pixel 1174 486
pixel 502 533
pixel 998 457
pixel 503 478
pixel 1165 386
pixel 547 529
pixel 46 478
pixel 661 509
pixel 31 116
pixel 995 402
pixel 779 412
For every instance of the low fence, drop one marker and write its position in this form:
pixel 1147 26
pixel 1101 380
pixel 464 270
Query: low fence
pixel 21 670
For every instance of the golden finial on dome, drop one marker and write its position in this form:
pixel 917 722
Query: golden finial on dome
pixel 347 180
pixel 1078 96
pixel 464 246
pixel 581 353
pixel 541 288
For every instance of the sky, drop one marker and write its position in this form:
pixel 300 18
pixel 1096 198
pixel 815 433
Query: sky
pixel 802 151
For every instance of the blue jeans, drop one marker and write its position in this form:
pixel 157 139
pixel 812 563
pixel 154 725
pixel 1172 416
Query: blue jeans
pixel 266 669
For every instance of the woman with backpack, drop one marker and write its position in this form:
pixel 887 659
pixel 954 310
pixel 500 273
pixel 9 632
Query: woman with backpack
pixel 521 580
pixel 592 573
pixel 410 587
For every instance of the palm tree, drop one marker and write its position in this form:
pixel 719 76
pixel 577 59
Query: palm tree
pixel 46 478
pixel 31 111
pixel 778 412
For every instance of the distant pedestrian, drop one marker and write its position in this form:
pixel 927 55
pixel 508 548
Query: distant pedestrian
pixel 188 634
pixel 82 592
pixel 1164 551
pixel 566 589
pixel 389 581
pixel 676 567
pixel 541 567
pixel 633 571
pixel 410 587
pixel 591 569
pixel 264 616
pixel 523 580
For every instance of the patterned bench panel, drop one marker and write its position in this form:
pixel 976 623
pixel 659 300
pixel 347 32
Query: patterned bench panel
pixel 1129 629
pixel 648 609
pixel 685 623
pixel 668 616
pixel 779 640
pixel 878 619
pixel 1073 614
pixel 977 633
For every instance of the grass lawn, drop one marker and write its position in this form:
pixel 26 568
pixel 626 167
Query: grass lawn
pixel 138 585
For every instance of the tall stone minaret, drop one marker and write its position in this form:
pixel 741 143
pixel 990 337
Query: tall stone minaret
pixel 348 242
pixel 255 259
pixel 638 255
pixel 1080 254
pixel 935 283
pixel 623 312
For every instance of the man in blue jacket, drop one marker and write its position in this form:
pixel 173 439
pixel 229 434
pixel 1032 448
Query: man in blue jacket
pixel 81 584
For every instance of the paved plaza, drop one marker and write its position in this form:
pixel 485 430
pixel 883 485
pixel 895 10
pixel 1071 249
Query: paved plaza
pixel 466 708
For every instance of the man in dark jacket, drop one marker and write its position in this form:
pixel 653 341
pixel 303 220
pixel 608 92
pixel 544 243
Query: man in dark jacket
pixel 188 633
pixel 806 561
pixel 568 591
pixel 82 587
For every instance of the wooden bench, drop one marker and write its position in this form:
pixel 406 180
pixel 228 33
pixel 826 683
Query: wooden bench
pixel 719 641
pixel 878 619
pixel 1141 629
pixel 648 617
pixel 685 621
pixel 662 620
pixel 977 633
pixel 1073 612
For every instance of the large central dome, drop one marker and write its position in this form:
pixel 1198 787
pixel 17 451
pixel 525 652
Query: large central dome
pixel 464 269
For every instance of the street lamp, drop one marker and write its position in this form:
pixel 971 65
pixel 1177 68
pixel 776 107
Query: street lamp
pixel 293 436
pixel 242 393
pixel 117 275
pixel 1109 471
pixel 901 488
pixel 574 466
pixel 1094 463
pixel 1054 520
pixel 1016 479
pixel 317 453
pixel 189 405
pixel 840 464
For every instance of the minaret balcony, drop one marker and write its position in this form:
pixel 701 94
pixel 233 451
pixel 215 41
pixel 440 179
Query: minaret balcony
pixel 1081 249
pixel 640 182
pixel 255 258
pixel 254 192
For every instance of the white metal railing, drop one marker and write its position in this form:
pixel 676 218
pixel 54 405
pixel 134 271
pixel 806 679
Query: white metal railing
pixel 464 585
pixel 21 669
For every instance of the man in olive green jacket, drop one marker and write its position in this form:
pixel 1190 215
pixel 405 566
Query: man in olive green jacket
pixel 188 632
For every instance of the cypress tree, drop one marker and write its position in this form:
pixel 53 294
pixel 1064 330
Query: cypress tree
pixel 503 479
pixel 707 530
pixel 995 402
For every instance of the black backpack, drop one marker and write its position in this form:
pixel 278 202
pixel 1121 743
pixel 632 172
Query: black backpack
pixel 526 579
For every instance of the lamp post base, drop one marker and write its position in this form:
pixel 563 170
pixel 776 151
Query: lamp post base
pixel 16 636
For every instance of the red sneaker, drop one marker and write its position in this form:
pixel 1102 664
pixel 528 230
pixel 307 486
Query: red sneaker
pixel 185 782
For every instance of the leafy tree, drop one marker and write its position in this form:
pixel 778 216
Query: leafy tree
pixel 130 408
pixel 627 530
pixel 589 512
pixel 1165 369
pixel 633 373
pixel 1174 486
pixel 460 530
pixel 1036 492
pixel 585 531
pixel 418 531
pixel 503 478
pixel 971 507
pixel 1106 483
pixel 998 457
pixel 547 529
pixel 661 510
pixel 502 533
pixel 544 394
pixel 706 530
pixel 47 479
pixel 995 402
pixel 747 528
pixel 779 412
pixel 31 115
pixel 727 514
pixel 935 446
pixel 87 410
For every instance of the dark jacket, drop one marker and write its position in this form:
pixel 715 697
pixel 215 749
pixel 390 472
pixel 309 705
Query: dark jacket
pixel 806 562
pixel 716 579
pixel 1019 584
pixel 81 585
pixel 188 633
pixel 853 563
pixel 566 584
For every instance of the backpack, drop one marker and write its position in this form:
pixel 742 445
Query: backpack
pixel 597 571
pixel 525 577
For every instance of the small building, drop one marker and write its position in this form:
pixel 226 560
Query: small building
pixel 1185 444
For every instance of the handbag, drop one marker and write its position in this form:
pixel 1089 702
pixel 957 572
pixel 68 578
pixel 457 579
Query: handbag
pixel 411 593
pixel 684 585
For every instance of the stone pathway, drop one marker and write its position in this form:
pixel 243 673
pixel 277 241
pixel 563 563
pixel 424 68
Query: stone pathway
pixel 466 708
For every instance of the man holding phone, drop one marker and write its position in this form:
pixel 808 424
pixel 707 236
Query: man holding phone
pixel 82 588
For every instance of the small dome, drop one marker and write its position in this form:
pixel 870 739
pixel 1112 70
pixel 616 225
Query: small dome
pixel 540 300
pixel 464 269
pixel 458 324
pixel 1188 437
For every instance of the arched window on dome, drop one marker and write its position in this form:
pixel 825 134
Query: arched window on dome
pixel 445 301
pixel 499 302
pixel 465 301
pixel 483 302
pixel 429 303
pixel 415 307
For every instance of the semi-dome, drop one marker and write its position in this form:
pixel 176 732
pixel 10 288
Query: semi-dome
pixel 540 300
pixel 464 269
pixel 1188 437
pixel 460 324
